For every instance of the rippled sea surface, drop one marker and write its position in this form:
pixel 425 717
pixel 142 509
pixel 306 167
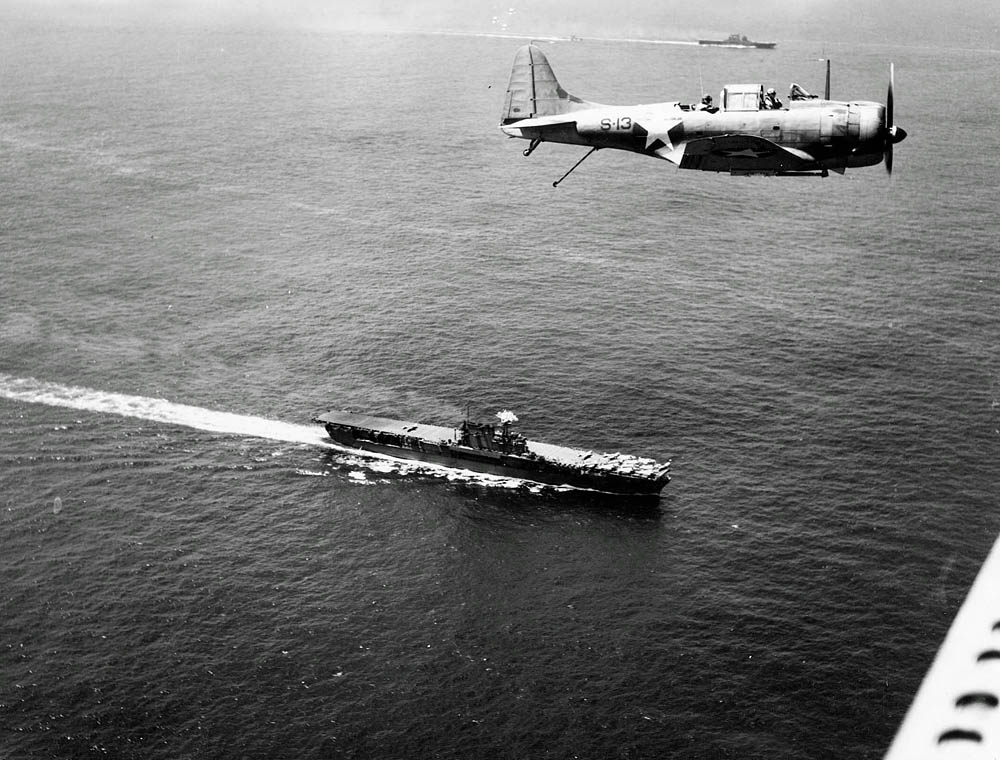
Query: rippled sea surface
pixel 208 237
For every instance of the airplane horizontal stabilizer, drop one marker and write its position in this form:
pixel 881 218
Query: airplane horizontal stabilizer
pixel 547 128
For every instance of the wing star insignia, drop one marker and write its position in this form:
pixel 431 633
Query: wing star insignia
pixel 746 153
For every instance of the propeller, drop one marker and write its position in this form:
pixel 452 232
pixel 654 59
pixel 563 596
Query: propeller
pixel 893 134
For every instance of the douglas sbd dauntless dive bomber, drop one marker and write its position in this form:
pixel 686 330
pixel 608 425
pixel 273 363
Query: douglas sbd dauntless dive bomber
pixel 749 132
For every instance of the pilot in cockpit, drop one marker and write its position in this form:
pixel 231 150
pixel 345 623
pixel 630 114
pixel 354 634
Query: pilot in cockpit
pixel 771 102
pixel 706 104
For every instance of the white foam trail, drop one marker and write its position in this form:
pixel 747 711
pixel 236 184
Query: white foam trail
pixel 157 410
pixel 33 391
pixel 558 38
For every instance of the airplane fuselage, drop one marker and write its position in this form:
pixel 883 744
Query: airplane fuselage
pixel 830 134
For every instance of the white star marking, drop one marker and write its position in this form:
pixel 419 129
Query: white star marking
pixel 746 153
pixel 658 128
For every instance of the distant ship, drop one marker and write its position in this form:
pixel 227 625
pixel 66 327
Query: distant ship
pixel 497 450
pixel 739 40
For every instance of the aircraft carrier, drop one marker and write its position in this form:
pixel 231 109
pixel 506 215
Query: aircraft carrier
pixel 498 450
pixel 739 41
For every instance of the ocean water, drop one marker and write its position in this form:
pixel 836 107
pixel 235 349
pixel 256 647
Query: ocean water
pixel 209 236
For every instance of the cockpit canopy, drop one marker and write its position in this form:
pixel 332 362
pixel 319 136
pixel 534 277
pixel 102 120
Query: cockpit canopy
pixel 742 97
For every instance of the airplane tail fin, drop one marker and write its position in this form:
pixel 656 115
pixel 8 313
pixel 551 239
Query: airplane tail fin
pixel 534 90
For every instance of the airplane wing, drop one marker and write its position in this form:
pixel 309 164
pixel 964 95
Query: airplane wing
pixel 954 714
pixel 740 154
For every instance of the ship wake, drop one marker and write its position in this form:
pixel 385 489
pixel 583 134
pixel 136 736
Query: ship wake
pixel 35 391
pixel 362 468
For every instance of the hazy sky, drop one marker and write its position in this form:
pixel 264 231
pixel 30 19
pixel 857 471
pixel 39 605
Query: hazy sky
pixel 976 22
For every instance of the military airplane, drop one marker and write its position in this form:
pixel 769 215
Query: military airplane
pixel 744 135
